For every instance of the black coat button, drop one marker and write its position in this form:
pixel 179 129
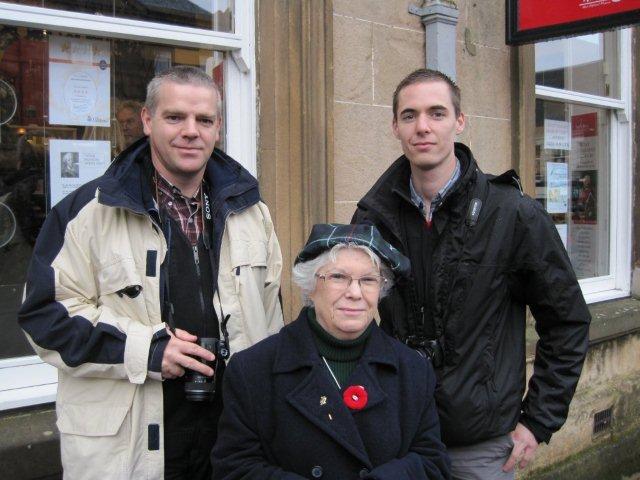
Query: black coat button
pixel 316 472
pixel 363 473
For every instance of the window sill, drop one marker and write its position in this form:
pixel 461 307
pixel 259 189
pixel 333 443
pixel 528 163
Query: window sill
pixel 26 381
pixel 609 320
pixel 613 319
pixel 24 397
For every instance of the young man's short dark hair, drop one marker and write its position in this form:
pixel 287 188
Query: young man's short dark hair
pixel 427 75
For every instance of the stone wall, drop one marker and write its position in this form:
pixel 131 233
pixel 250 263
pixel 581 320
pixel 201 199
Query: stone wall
pixel 610 379
pixel 375 44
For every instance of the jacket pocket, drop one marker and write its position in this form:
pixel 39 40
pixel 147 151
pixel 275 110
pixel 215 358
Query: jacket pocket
pixel 249 252
pixel 241 290
pixel 248 266
pixel 96 436
pixel 91 420
pixel 119 276
pixel 122 289
pixel 458 338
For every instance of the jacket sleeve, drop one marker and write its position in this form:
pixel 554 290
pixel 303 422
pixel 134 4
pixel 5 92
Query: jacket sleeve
pixel 546 282
pixel 238 452
pixel 64 321
pixel 272 304
pixel 427 458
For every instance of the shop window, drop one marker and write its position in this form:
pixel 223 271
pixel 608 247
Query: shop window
pixel 76 103
pixel 582 138
pixel 206 14
pixel 69 103
pixel 572 180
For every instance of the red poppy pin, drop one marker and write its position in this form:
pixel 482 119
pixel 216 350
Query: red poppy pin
pixel 355 397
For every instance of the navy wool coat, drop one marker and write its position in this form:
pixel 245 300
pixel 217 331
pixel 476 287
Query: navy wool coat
pixel 284 417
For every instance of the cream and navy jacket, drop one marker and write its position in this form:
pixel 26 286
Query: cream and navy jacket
pixel 93 306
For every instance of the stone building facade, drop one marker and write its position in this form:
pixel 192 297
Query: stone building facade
pixel 308 87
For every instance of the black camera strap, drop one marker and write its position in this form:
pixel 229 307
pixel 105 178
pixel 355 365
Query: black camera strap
pixel 225 351
pixel 167 305
pixel 207 234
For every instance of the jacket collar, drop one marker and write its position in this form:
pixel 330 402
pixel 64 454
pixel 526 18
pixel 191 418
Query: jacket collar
pixel 126 184
pixel 296 348
pixel 392 188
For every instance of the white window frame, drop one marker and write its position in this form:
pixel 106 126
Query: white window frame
pixel 618 283
pixel 27 380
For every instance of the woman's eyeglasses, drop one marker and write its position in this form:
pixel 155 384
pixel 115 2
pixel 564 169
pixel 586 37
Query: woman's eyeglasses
pixel 342 281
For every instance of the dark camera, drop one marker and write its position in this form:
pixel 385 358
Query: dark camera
pixel 198 387
pixel 431 349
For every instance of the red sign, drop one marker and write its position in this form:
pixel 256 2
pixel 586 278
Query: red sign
pixel 584 125
pixel 545 13
pixel 533 20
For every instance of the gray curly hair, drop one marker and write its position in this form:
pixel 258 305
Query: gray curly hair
pixel 304 273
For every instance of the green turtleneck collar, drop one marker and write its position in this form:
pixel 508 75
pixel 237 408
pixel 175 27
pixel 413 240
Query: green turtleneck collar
pixel 334 349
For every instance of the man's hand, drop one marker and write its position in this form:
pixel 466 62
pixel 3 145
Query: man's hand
pixel 524 448
pixel 179 354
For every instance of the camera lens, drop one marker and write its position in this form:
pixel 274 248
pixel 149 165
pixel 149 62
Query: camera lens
pixel 198 387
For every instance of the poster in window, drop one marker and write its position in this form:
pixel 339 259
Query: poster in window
pixel 584 202
pixel 73 163
pixel 557 187
pixel 584 138
pixel 79 81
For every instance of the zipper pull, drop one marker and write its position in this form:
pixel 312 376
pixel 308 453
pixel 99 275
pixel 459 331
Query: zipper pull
pixel 196 257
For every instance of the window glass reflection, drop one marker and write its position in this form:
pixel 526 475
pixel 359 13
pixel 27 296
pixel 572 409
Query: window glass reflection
pixel 572 178
pixel 586 64
pixel 46 76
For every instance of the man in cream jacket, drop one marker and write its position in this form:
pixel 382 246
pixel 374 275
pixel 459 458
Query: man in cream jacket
pixel 170 245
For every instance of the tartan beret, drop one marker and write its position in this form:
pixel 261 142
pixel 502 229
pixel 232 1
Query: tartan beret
pixel 326 235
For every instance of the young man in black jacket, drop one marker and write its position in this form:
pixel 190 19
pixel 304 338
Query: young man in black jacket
pixel 481 252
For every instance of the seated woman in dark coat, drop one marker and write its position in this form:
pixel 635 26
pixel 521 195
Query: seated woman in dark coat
pixel 332 396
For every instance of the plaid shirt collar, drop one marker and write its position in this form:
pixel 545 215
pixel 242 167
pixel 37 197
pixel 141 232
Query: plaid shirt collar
pixel 418 201
pixel 187 212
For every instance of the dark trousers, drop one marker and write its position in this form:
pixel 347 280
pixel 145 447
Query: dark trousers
pixel 190 430
pixel 187 454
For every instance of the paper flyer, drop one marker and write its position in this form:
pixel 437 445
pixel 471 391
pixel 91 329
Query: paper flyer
pixel 584 253
pixel 557 135
pixel 79 81
pixel 73 163
pixel 563 231
pixel 557 187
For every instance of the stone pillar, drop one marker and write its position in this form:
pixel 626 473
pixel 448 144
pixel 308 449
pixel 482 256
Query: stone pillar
pixel 439 18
